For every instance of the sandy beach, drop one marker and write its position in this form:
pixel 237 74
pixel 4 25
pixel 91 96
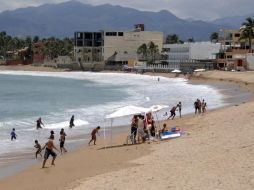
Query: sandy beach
pixel 217 154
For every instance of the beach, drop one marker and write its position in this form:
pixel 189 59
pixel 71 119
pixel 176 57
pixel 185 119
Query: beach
pixel 217 153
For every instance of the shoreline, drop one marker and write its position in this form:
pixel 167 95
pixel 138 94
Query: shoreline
pixel 122 164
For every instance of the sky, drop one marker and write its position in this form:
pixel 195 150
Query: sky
pixel 195 9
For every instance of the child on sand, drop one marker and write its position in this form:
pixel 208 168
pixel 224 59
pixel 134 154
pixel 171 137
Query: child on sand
pixel 49 151
pixel 13 134
pixel 38 146
pixel 93 135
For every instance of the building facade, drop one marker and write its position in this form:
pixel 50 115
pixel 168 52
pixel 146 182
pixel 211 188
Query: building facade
pixel 111 46
pixel 189 56
pixel 233 50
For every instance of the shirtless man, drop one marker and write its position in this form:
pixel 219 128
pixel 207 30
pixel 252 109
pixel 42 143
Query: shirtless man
pixel 93 135
pixel 49 151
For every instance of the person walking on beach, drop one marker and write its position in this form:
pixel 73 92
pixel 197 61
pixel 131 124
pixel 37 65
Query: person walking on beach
pixel 196 104
pixel 93 135
pixel 13 134
pixel 39 123
pixel 38 146
pixel 72 122
pixel 62 141
pixel 49 151
pixel 172 112
pixel 179 105
pixel 203 106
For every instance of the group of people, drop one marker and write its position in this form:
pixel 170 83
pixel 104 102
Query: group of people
pixel 49 145
pixel 200 107
pixel 143 127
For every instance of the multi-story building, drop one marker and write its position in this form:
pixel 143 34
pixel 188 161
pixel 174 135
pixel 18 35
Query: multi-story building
pixel 113 46
pixel 233 50
pixel 189 56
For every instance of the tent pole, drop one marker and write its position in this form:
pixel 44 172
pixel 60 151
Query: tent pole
pixel 104 134
pixel 158 120
pixel 111 132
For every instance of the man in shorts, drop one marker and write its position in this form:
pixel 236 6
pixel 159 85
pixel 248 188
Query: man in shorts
pixel 62 141
pixel 49 151
pixel 93 135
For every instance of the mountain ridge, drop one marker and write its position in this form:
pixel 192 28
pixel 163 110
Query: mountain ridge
pixel 63 19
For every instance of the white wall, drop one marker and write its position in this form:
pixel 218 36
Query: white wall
pixel 204 50
pixel 250 61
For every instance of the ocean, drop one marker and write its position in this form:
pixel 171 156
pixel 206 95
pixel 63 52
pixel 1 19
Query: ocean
pixel 56 96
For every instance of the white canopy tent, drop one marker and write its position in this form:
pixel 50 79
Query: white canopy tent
pixel 176 71
pixel 124 111
pixel 199 70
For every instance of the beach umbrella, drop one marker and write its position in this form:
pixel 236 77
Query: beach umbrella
pixel 157 108
pixel 176 71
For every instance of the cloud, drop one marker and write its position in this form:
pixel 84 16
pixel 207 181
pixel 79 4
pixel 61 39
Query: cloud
pixel 198 9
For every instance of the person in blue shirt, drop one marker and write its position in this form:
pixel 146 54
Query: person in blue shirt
pixel 13 134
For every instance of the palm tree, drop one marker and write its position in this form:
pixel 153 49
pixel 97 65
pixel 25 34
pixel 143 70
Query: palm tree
pixel 152 49
pixel 172 39
pixel 247 31
pixel 214 37
pixel 143 50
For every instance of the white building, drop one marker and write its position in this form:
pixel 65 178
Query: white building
pixel 175 54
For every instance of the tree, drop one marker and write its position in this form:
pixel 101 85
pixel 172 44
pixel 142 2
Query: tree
pixel 191 40
pixel 214 37
pixel 247 31
pixel 152 49
pixel 172 39
pixel 142 50
pixel 36 39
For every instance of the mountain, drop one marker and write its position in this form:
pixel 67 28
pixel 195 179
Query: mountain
pixel 232 22
pixel 62 20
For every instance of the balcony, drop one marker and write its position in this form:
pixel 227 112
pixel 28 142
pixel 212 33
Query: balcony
pixel 237 51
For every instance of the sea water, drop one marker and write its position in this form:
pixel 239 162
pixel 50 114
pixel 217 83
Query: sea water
pixel 56 96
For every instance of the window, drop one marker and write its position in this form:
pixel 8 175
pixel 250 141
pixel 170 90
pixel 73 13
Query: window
pixel 120 33
pixel 111 33
pixel 229 56
pixel 237 35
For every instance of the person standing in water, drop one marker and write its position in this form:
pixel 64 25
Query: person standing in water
pixel 72 122
pixel 39 123
pixel 13 134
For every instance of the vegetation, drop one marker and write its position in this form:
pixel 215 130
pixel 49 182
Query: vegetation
pixel 53 46
pixel 148 52
pixel 172 39
pixel 214 37
pixel 247 31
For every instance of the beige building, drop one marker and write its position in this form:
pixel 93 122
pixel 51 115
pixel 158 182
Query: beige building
pixel 114 47
pixel 233 50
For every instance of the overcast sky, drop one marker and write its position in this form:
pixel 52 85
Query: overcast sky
pixel 197 9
